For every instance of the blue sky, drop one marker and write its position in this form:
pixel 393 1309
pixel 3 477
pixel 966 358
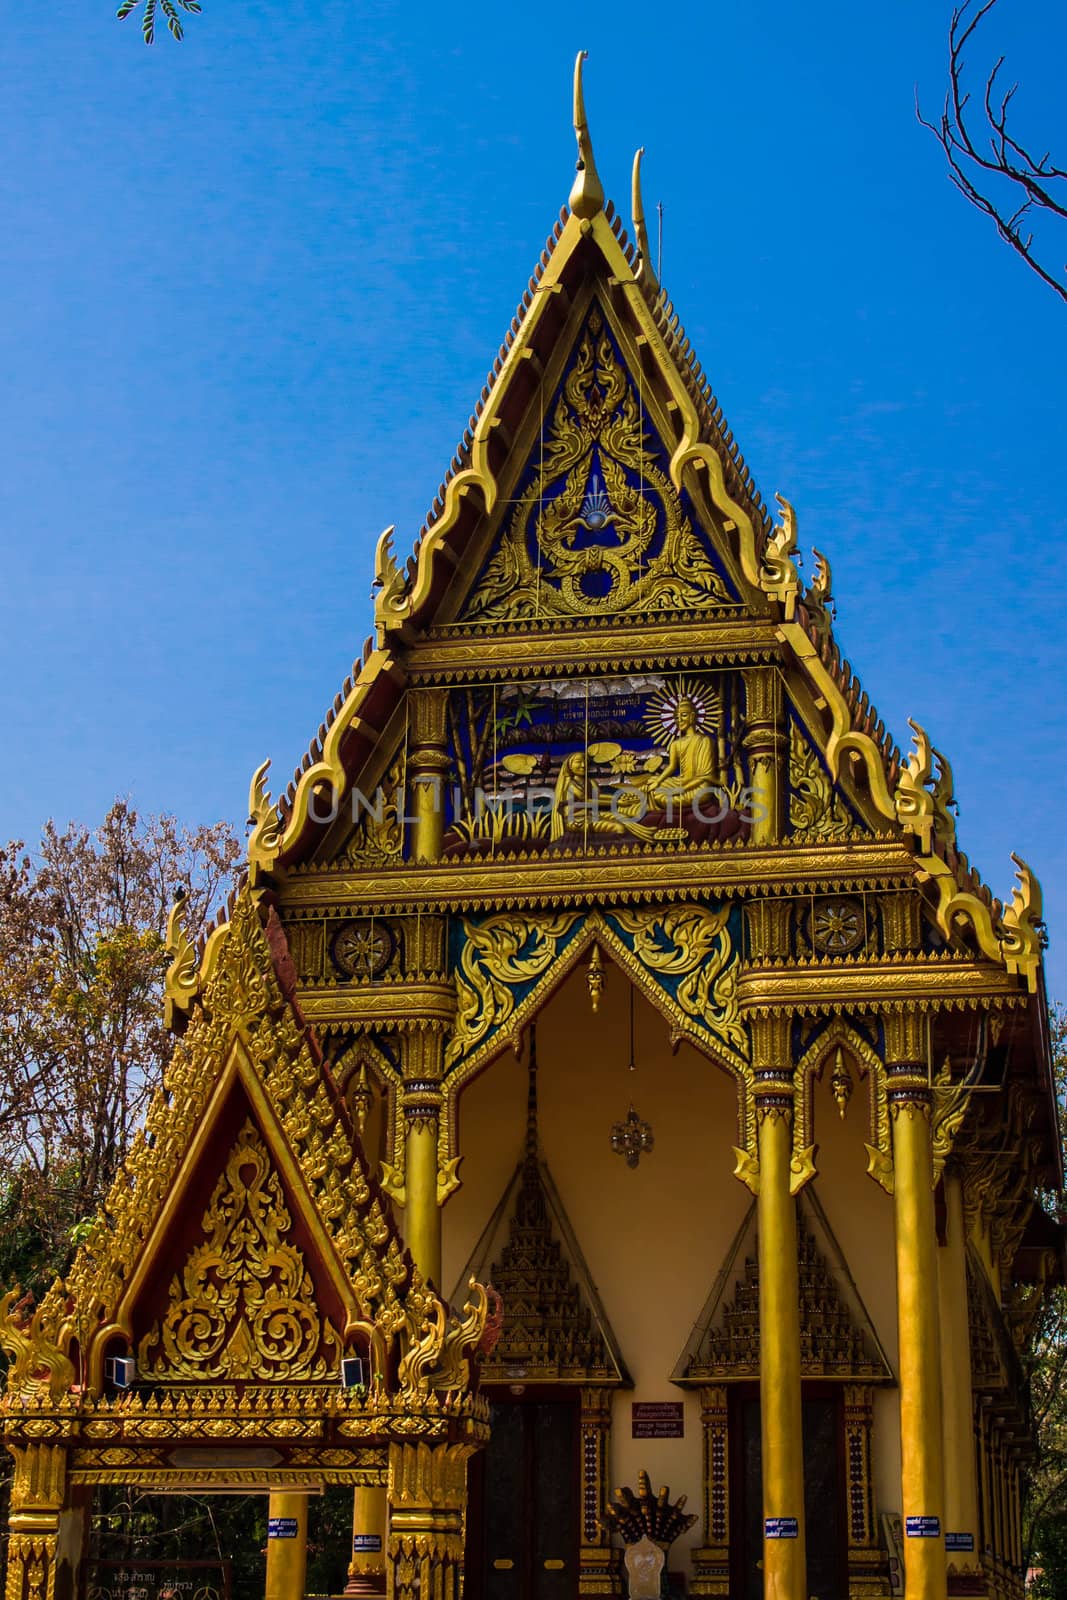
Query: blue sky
pixel 252 285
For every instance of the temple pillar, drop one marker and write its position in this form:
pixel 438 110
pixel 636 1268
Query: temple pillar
pixel 921 1440
pixel 420 1107
pixel 767 747
pixel 866 1563
pixel 40 1563
pixel 784 1552
pixel 711 1562
pixel 366 1570
pixel 287 1539
pixel 428 764
pixel 597 1566
pixel 961 1461
pixel 427 1497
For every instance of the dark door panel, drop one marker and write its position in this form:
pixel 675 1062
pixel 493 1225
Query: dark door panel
pixel 823 1498
pixel 529 1512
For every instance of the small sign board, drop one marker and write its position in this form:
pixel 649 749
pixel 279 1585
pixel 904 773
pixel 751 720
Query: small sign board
pixel 658 1419
pixel 922 1527
pixel 959 1541
pixel 780 1528
pixel 369 1542
pixel 281 1528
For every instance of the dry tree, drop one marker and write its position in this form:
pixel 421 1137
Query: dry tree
pixel 989 165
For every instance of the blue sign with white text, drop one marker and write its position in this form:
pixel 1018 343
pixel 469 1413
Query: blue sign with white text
pixel 959 1541
pixel 923 1527
pixel 281 1528
pixel 367 1541
pixel 781 1528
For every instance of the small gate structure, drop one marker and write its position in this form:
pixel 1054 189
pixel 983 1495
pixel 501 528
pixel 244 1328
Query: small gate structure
pixel 159 1580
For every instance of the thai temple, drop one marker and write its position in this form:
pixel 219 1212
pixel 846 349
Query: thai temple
pixel 605 1129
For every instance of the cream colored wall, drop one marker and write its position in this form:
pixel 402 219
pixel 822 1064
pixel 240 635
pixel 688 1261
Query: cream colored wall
pixel 654 1238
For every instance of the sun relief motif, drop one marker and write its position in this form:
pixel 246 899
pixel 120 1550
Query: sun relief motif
pixel 243 1306
pixel 598 528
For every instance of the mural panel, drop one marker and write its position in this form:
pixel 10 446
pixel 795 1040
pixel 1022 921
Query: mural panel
pixel 642 758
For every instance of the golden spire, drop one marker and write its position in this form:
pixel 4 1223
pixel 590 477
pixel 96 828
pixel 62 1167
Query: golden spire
pixel 587 195
pixel 638 209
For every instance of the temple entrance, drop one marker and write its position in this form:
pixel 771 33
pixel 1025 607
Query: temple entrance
pixel 824 1504
pixel 523 1540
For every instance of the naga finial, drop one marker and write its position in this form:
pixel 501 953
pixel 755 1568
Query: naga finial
pixel 1024 936
pixel 944 801
pixel 266 836
pixel 778 572
pixel 587 194
pixel 638 209
pixel 182 981
pixel 914 802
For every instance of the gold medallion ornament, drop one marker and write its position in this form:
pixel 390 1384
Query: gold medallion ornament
pixel 599 528
pixel 243 1306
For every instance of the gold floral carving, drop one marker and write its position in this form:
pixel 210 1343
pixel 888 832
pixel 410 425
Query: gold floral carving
pixel 378 836
pixel 597 421
pixel 816 810
pixel 500 954
pixel 243 1306
pixel 690 946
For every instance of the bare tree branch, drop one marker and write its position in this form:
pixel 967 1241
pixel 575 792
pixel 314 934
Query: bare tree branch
pixel 1007 183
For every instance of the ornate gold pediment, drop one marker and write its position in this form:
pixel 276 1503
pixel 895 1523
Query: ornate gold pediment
pixel 597 528
pixel 243 1307
pixel 837 1337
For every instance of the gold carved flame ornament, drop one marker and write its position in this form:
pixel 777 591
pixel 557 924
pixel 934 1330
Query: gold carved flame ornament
pixel 243 1306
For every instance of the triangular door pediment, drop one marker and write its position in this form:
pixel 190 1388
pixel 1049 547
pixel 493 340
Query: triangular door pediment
pixel 837 1337
pixel 554 1327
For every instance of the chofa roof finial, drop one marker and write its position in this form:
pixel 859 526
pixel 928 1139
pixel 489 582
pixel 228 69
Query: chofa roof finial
pixel 587 195
pixel 638 209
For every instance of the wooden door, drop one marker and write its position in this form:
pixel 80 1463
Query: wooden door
pixel 525 1515
pixel 824 1503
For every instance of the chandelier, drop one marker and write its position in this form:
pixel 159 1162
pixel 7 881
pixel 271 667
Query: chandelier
pixel 633 1137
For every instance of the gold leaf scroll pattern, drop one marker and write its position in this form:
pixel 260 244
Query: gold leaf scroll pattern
pixel 815 808
pixel 690 947
pixel 500 955
pixel 686 949
pixel 243 1306
pixel 597 420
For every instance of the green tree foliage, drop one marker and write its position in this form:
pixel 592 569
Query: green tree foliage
pixel 1046 1501
pixel 152 9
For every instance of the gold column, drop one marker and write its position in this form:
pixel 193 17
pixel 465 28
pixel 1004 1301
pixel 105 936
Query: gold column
pixel 784 1552
pixel 921 1442
pixel 421 1108
pixel 766 744
pixel 366 1570
pixel 427 1501
pixel 985 1480
pixel 711 1562
pixel 866 1562
pixel 35 1568
pixel 597 1566
pixel 287 1545
pixel 961 1464
pixel 428 765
